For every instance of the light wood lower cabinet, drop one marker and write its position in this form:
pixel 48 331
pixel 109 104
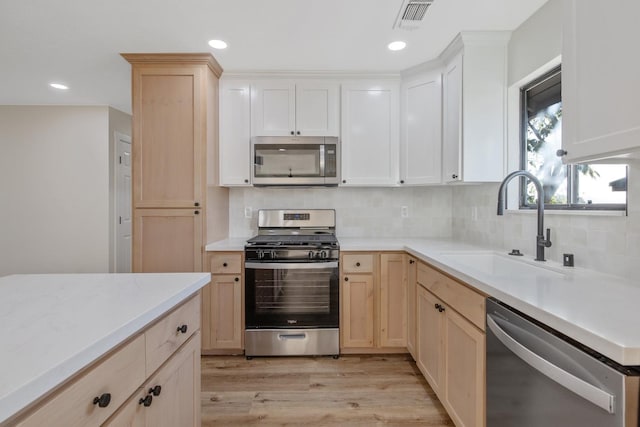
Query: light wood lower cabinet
pixel 223 304
pixel 113 391
pixel 373 314
pixel 412 297
pixel 171 397
pixel 451 344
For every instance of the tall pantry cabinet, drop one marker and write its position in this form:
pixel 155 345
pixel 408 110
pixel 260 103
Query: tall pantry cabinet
pixel 175 136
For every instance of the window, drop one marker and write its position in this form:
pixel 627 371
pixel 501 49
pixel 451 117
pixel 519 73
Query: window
pixel 579 186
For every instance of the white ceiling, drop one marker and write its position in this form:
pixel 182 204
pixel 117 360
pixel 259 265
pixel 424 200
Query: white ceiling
pixel 78 42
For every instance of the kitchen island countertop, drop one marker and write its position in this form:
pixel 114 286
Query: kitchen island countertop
pixel 54 325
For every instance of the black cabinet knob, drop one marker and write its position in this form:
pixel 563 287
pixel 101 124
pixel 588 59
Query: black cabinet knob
pixel 182 329
pixel 196 204
pixel 146 401
pixel 155 390
pixel 246 181
pixel 102 401
pixel 357 264
pixel 346 279
pixel 411 261
pixel 298 132
pixel 224 264
pixel 402 181
pixel 454 176
pixel 436 306
pixel 292 133
pixel 344 181
pixel 441 309
pixel 196 212
pixel 561 153
pixel 237 279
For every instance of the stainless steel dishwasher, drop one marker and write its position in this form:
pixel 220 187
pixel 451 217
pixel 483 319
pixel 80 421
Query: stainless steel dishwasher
pixel 538 377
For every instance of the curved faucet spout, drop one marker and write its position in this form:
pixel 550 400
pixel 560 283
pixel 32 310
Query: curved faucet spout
pixel 541 242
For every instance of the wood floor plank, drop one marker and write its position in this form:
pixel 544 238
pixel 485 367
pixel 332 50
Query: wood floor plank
pixel 355 390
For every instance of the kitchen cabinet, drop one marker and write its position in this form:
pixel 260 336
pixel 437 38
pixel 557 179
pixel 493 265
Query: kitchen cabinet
pixel 294 107
pixel 473 107
pixel 451 344
pixel 370 133
pixel 412 290
pixel 175 129
pixel 421 129
pixel 373 302
pixel 235 132
pixel 223 304
pixel 600 80
pixel 166 354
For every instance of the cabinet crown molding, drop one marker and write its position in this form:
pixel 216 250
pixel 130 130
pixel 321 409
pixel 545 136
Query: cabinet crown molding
pixel 477 38
pixel 175 58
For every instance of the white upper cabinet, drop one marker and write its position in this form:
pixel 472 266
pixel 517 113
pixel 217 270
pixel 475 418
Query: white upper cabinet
pixel 370 133
pixel 303 107
pixel 474 110
pixel 235 132
pixel 600 79
pixel 421 129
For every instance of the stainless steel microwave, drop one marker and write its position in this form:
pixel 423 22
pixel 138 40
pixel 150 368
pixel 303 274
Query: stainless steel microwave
pixel 295 160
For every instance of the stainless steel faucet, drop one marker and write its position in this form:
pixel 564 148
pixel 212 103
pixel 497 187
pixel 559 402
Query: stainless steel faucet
pixel 541 242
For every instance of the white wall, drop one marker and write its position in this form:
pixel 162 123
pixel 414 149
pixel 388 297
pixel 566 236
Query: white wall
pixel 610 244
pixel 360 212
pixel 54 189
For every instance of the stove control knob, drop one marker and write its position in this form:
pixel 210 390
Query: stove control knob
pixel 274 254
pixel 260 254
pixel 310 254
pixel 323 254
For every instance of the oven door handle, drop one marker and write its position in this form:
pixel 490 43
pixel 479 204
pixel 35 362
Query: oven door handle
pixel 290 265
pixel 569 381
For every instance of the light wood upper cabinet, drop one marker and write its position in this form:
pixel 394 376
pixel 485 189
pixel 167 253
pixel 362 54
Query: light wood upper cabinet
pixel 474 111
pixel 370 133
pixel 235 132
pixel 600 83
pixel 421 129
pixel 300 108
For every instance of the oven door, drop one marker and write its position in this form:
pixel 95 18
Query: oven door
pixel 291 295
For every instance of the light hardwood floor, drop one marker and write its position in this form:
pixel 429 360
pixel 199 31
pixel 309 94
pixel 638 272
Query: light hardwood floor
pixel 317 391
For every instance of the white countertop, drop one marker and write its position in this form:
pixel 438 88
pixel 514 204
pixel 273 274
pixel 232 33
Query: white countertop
pixel 53 325
pixel 598 310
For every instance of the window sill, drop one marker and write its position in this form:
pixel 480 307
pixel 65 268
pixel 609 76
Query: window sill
pixel 566 212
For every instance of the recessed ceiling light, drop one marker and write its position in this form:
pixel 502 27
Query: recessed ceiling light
pixel 399 45
pixel 218 44
pixel 59 86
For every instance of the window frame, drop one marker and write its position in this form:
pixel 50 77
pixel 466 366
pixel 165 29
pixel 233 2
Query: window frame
pixel 571 170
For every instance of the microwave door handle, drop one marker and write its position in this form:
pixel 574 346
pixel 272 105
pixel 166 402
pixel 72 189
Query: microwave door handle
pixel 322 160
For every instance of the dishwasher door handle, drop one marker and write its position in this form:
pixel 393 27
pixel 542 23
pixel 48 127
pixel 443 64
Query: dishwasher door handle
pixel 569 381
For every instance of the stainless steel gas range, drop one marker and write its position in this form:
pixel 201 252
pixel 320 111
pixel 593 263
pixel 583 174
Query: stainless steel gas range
pixel 291 284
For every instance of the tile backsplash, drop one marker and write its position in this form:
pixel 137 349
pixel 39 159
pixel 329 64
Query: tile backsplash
pixel 606 243
pixel 360 212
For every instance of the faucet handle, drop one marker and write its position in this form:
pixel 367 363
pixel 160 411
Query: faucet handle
pixel 547 240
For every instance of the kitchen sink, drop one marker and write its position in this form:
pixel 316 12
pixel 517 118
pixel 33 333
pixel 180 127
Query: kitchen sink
pixel 498 264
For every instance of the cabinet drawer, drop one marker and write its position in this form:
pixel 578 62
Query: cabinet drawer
pixel 226 263
pixel 164 338
pixel 458 296
pixel 357 263
pixel 118 376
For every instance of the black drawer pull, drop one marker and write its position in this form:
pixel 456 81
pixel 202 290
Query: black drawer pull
pixel 155 390
pixel 224 264
pixel 346 279
pixel 102 401
pixel 357 264
pixel 182 329
pixel 237 279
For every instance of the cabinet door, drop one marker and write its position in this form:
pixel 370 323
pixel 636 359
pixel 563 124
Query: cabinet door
pixel 370 140
pixel 465 365
pixel 421 161
pixel 235 133
pixel 167 240
pixel 452 121
pixel 430 340
pixel 356 320
pixel 317 108
pixel 273 108
pixel 411 305
pixel 600 83
pixel 168 146
pixel 393 301
pixel 226 312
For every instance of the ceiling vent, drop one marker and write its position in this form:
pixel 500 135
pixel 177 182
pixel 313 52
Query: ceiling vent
pixel 411 14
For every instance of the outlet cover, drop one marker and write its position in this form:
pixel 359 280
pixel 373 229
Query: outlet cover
pixel 404 211
pixel 247 212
